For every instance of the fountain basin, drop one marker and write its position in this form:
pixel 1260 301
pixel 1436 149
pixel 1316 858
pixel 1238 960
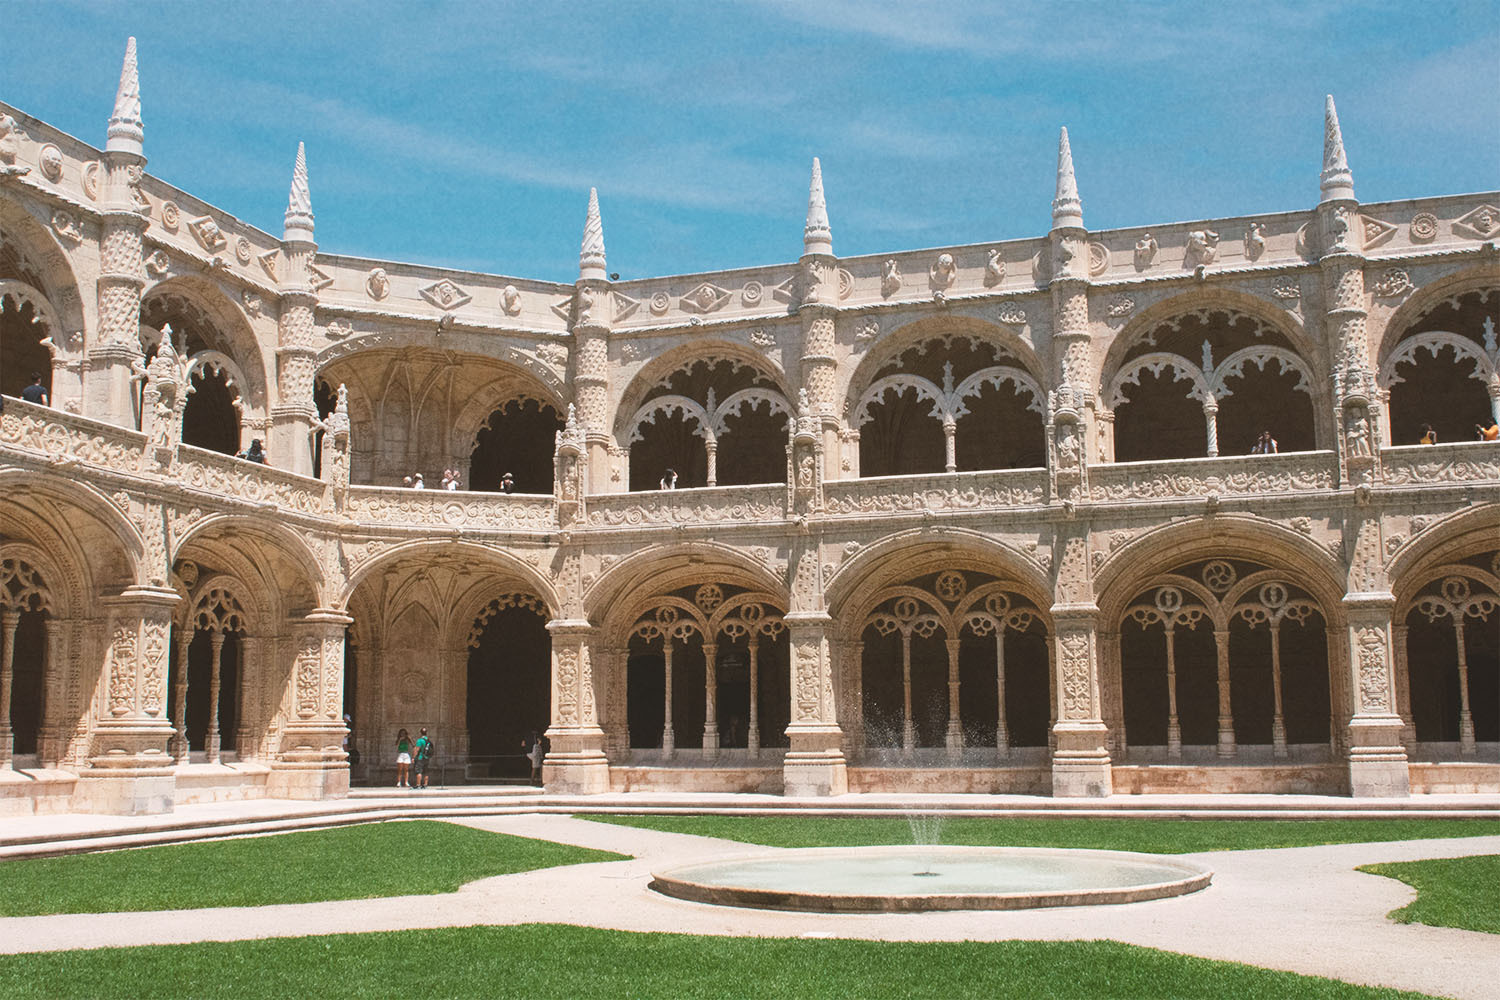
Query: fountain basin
pixel 911 879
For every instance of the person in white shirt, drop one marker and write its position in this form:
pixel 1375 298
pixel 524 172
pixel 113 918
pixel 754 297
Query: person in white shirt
pixel 416 481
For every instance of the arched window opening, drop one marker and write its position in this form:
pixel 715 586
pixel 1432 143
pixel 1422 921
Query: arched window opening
pixel 204 675
pixel 325 398
pixel 951 403
pixel 946 631
pixel 708 670
pixel 517 438
pixel 22 352
pixel 210 419
pixel 25 616
pixel 1207 384
pixel 1444 370
pixel 509 678
pixel 1452 652
pixel 1225 654
pixel 715 422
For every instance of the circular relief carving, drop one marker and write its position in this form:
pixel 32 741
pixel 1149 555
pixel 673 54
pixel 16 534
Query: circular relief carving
pixel 413 686
pixel 242 250
pixel 510 299
pixel 752 292
pixel 1219 576
pixel 171 215
pixel 660 303
pixel 997 605
pixel 1098 259
pixel 846 284
pixel 91 180
pixel 453 513
pixel 709 596
pixel 1424 227
pixel 951 586
pixel 50 160
pixel 1168 600
pixel 1273 595
pixel 907 607
pixel 1455 590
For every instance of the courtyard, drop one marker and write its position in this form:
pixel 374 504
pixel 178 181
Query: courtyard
pixel 528 894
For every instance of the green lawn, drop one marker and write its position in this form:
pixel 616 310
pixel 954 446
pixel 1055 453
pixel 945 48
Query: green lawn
pixel 1153 836
pixel 355 862
pixel 1451 892
pixel 554 961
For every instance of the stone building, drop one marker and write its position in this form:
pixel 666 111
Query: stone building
pixel 983 518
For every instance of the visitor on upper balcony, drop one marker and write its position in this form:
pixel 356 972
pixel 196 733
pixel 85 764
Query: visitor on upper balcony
pixel 450 479
pixel 416 481
pixel 507 483
pixel 36 392
pixel 1490 433
pixel 1429 436
pixel 1264 445
pixel 669 480
pixel 255 453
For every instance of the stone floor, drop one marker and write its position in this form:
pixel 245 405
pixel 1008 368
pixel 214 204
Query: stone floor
pixel 1301 909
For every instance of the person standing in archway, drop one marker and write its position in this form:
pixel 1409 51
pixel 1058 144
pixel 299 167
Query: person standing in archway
pixel 403 759
pixel 36 392
pixel 421 754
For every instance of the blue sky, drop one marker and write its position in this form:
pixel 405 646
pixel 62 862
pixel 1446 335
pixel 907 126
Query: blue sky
pixel 467 134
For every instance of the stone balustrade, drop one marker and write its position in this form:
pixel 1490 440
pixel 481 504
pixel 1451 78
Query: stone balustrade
pixel 62 437
pixel 956 491
pixel 1429 464
pixel 715 505
pixel 394 506
pixel 1246 475
pixel 235 478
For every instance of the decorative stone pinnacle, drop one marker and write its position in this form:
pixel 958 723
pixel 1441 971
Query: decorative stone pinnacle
pixel 1338 182
pixel 817 237
pixel 1067 210
pixel 591 257
pixel 299 214
pixel 127 133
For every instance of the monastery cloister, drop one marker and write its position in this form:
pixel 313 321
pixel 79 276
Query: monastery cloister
pixel 982 518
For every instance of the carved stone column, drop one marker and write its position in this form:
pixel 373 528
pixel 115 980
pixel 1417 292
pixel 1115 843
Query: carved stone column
pixel 1377 759
pixel 294 416
pixel 817 289
pixel 1072 345
pixel 51 741
pixel 1226 709
pixel 1080 762
pixel 251 680
pixel 108 388
pixel 211 739
pixel 814 764
pixel 178 744
pixel 710 699
pixel 311 762
pixel 130 772
pixel 577 763
pixel 10 619
pixel 593 315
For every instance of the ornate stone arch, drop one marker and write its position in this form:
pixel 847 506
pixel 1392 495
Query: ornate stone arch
pixel 16 294
pixel 1483 278
pixel 264 545
pixel 23 586
pixel 208 309
pixel 44 256
pixel 626 586
pixel 655 373
pixel 505 563
pixel 40 504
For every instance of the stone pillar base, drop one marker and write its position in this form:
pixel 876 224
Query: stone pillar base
pixel 308 780
pixel 583 773
pixel 125 791
pixel 815 765
pixel 1081 764
pixel 1377 760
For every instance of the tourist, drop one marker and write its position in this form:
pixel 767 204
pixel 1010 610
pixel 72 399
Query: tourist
pixel 349 748
pixel 416 481
pixel 403 759
pixel 507 483
pixel 669 480
pixel 254 453
pixel 406 482
pixel 1429 436
pixel 422 753
pixel 36 392
pixel 536 755
pixel 450 479
pixel 1264 445
pixel 1490 433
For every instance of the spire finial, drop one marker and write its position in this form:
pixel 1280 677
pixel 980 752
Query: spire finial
pixel 817 237
pixel 299 213
pixel 1067 210
pixel 127 133
pixel 1338 182
pixel 591 257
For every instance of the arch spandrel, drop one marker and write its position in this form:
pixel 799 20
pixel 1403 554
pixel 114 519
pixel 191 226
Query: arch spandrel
pixel 482 560
pixel 1483 278
pixel 1447 540
pixel 1158 551
pixel 260 546
pixel 96 542
pixel 203 302
pixel 39 247
pixel 656 371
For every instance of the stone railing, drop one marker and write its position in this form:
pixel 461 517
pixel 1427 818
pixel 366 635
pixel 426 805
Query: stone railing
pixel 1246 475
pixel 1421 464
pixel 65 436
pixel 237 479
pixel 956 491
pixel 714 505
pixel 451 509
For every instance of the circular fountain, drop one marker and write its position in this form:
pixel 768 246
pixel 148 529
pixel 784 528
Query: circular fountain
pixel 915 878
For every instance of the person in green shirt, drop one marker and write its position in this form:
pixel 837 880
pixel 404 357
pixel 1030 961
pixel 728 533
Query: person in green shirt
pixel 423 753
pixel 403 759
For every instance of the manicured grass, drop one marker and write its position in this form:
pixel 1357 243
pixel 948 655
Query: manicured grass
pixel 1152 836
pixel 1451 892
pixel 356 862
pixel 576 962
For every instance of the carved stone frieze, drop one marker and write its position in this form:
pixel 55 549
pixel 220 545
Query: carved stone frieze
pixel 1231 477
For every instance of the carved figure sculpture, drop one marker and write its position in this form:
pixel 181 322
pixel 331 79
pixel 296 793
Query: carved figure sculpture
pixel 994 268
pixel 378 284
pixel 890 277
pixel 1255 241
pixel 943 271
pixel 1067 447
pixel 1357 435
pixel 10 145
pixel 1202 248
pixel 1145 250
